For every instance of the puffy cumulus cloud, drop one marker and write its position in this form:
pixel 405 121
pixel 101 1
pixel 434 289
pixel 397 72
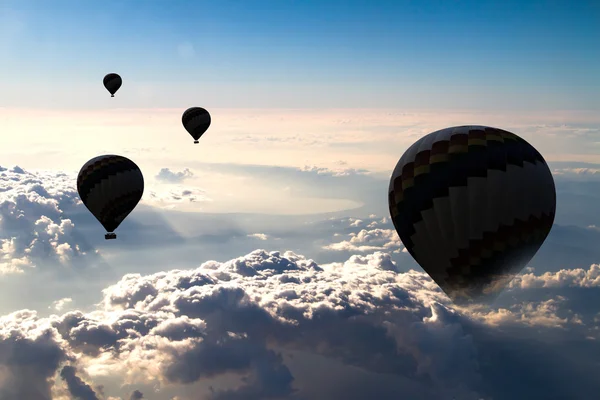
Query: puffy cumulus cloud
pixel 166 175
pixel 239 321
pixel 356 223
pixel 33 224
pixel 174 325
pixel 374 221
pixel 543 314
pixel 573 293
pixel 578 277
pixel 60 305
pixel 363 235
pixel 30 354
pixel 369 240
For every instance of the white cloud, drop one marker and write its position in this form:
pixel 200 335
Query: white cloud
pixel 166 175
pixel 369 240
pixel 59 305
pixel 34 230
pixel 578 277
pixel 259 236
pixel 31 352
pixel 334 171
pixel 573 172
pixel 356 223
pixel 168 328
pixel 533 314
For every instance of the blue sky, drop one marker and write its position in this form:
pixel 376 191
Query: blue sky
pixel 268 246
pixel 345 53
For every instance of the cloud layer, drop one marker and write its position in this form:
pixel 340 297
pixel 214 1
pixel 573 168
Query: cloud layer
pixel 245 328
pixel 276 325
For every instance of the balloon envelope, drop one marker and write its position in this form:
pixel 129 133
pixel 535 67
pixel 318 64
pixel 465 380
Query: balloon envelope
pixel 110 187
pixel 472 205
pixel 112 83
pixel 196 121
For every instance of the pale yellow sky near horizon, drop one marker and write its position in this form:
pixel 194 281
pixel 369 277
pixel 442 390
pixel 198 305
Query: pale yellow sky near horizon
pixel 372 139
pixel 369 139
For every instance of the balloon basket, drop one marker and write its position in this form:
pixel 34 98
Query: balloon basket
pixel 112 95
pixel 195 142
pixel 109 236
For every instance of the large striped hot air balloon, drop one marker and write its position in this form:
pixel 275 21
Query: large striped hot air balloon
pixel 112 82
pixel 472 205
pixel 110 187
pixel 196 121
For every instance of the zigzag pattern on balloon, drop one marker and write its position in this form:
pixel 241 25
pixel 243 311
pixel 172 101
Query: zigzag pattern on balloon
pixel 467 202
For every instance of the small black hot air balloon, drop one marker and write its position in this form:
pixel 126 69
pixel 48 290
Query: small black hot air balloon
pixel 112 83
pixel 196 121
pixel 472 205
pixel 110 187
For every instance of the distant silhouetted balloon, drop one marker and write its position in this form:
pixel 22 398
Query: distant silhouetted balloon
pixel 472 205
pixel 112 83
pixel 110 187
pixel 196 121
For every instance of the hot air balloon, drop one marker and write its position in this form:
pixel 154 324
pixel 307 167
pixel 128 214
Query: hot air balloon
pixel 196 121
pixel 472 205
pixel 112 83
pixel 110 187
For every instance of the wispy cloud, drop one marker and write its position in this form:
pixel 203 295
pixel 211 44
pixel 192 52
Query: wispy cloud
pixel 259 236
